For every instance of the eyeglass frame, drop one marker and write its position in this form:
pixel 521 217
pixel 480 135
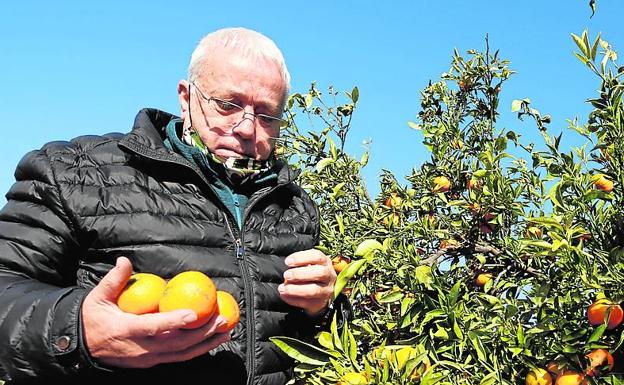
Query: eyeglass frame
pixel 279 121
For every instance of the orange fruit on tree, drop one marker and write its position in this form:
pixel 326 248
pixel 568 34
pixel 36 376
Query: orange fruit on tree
pixel 393 201
pixel 339 263
pixel 141 294
pixel 441 184
pixel 603 183
pixel 473 184
pixel 191 290
pixel 483 278
pixel 570 377
pixel 597 312
pixel 538 376
pixel 600 361
pixel 228 308
pixel 353 378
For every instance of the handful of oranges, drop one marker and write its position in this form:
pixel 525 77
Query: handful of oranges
pixel 149 293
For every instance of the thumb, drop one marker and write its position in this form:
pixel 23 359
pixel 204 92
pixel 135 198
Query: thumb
pixel 114 281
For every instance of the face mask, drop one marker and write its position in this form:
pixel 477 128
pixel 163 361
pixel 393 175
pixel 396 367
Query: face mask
pixel 237 169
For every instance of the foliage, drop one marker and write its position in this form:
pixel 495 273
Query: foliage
pixel 535 219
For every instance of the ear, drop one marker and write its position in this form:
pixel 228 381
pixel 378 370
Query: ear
pixel 184 91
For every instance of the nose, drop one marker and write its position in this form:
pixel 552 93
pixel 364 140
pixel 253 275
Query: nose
pixel 246 128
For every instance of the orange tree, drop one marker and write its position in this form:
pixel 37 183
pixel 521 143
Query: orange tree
pixel 482 268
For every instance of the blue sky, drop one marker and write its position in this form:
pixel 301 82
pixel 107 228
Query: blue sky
pixel 74 67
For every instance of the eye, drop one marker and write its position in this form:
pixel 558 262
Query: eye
pixel 225 106
pixel 267 119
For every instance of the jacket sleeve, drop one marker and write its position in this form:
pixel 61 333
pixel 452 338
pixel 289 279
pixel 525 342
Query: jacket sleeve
pixel 39 300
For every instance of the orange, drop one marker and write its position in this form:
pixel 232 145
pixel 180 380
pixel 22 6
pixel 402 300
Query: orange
pixel 538 376
pixel 228 308
pixel 603 183
pixel 141 294
pixel 353 378
pixel 570 377
pixel 441 184
pixel 393 201
pixel 598 359
pixel 446 243
pixel 597 312
pixel 339 263
pixel 191 290
pixel 473 184
pixel 483 278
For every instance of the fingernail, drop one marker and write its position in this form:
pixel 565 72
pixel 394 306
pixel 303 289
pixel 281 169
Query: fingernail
pixel 288 260
pixel 281 288
pixel 190 317
pixel 288 274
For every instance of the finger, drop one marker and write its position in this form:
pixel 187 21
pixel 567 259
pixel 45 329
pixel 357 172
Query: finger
pixel 307 257
pixel 305 291
pixel 114 281
pixel 196 350
pixel 178 340
pixel 309 273
pixel 149 325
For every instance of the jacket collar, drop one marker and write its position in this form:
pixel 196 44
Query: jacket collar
pixel 149 132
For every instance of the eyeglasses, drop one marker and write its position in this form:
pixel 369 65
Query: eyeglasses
pixel 236 113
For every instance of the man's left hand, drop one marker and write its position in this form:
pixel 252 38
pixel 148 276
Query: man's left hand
pixel 309 281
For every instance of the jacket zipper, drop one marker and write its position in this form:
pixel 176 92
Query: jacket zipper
pixel 240 250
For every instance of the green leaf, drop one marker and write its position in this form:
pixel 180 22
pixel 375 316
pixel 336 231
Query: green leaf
pixel 301 351
pixel 355 94
pixel 423 275
pixel 366 247
pixel 516 105
pixel 325 340
pixel 346 274
pixel 580 44
pixel 595 336
pixel 323 163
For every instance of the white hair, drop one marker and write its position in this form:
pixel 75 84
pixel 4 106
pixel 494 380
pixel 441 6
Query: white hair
pixel 243 41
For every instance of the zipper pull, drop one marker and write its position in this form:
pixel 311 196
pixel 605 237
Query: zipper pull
pixel 240 250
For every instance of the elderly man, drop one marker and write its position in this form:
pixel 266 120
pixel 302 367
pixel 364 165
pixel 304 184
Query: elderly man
pixel 200 192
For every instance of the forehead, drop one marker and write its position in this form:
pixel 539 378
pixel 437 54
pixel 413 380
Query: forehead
pixel 256 78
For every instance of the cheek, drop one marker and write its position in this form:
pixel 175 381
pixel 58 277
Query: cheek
pixel 264 145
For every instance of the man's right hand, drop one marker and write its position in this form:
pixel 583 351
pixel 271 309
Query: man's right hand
pixel 120 339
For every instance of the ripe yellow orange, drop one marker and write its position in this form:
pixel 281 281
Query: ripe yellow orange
pixel 538 376
pixel 190 290
pixel 600 361
pixel 393 201
pixel 141 294
pixel 446 243
pixel 441 184
pixel 353 378
pixel 483 278
pixel 570 377
pixel 339 263
pixel 473 184
pixel 228 308
pixel 603 183
pixel 597 312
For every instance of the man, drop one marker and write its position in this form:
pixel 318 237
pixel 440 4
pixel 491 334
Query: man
pixel 200 192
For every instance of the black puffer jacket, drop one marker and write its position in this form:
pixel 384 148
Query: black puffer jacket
pixel 78 205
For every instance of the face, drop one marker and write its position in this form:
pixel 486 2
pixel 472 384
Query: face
pixel 255 85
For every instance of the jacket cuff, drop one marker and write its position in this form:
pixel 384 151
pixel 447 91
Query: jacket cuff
pixel 67 335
